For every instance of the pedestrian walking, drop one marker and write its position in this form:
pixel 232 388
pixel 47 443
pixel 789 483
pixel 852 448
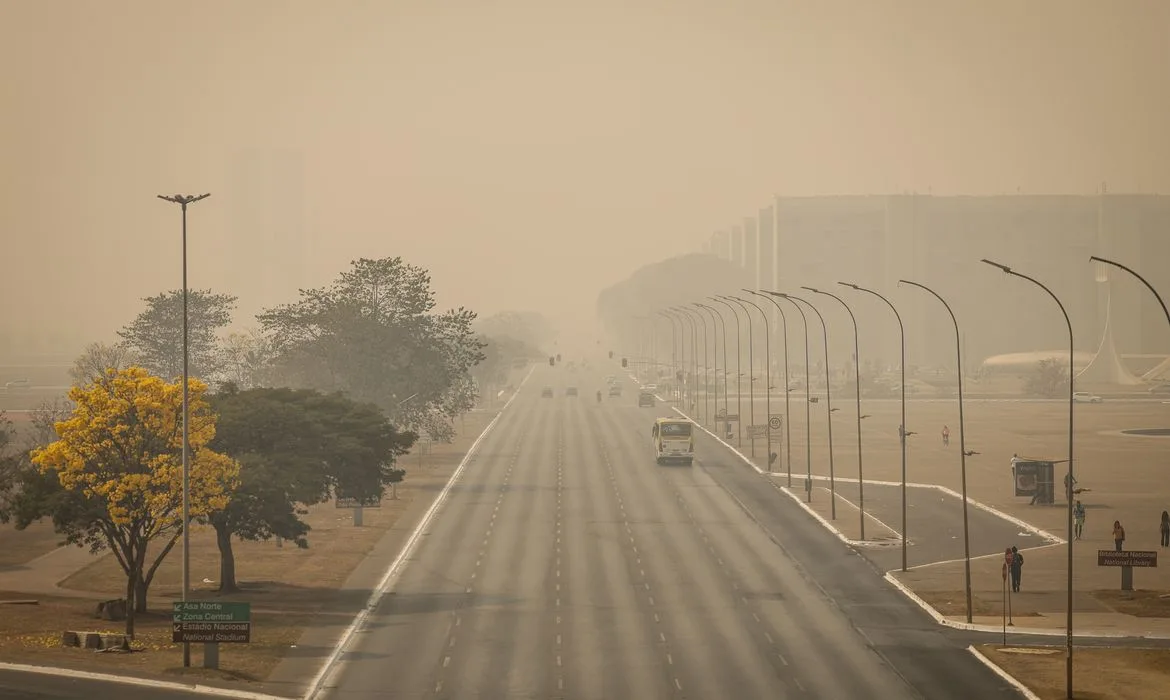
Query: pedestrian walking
pixel 1079 517
pixel 1017 569
pixel 946 434
pixel 1118 535
pixel 1165 527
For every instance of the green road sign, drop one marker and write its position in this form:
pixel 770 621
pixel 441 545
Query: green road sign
pixel 207 611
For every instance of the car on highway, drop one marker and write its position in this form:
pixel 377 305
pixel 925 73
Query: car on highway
pixel 546 393
pixel 615 390
pixel 571 391
pixel 1160 389
pixel 1086 397
pixel 646 399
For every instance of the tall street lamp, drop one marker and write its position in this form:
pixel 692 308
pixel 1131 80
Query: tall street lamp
pixel 1140 278
pixel 738 371
pixel 962 439
pixel 787 389
pixel 857 384
pixel 1068 490
pixel 706 390
pixel 807 400
pixel 694 366
pixel 716 313
pixel 751 372
pixel 673 344
pixel 183 200
pixel 902 426
pixel 713 380
pixel 828 407
pixel 767 381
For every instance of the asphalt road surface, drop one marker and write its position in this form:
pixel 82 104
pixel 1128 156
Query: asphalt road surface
pixel 567 564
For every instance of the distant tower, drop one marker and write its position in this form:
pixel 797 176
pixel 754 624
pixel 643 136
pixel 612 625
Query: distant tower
pixel 1106 367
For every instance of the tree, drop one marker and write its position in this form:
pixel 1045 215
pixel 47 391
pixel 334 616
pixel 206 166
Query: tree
pixel 528 327
pixel 372 335
pixel 1049 379
pixel 97 358
pixel 246 360
pixel 296 448
pixel 156 334
pixel 118 465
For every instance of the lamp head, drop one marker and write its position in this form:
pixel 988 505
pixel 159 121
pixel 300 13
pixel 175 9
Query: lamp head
pixel 1005 268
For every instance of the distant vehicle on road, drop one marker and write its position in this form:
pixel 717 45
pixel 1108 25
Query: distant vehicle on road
pixel 615 390
pixel 17 384
pixel 673 441
pixel 546 393
pixel 646 399
pixel 571 391
pixel 1086 397
pixel 1160 389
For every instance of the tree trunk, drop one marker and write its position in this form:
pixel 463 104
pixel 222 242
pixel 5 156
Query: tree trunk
pixel 140 589
pixel 227 560
pixel 131 585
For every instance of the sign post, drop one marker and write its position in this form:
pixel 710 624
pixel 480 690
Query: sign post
pixel 212 623
pixel 1127 560
pixel 357 505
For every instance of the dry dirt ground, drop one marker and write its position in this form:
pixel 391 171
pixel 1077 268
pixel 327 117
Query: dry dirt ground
pixel 285 585
pixel 1098 674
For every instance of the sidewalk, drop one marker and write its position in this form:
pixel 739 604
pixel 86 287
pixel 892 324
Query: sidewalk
pixel 42 575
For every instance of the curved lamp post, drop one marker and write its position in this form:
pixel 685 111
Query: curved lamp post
pixel 787 422
pixel 901 426
pixel 1140 278
pixel 1068 491
pixel 686 313
pixel 751 371
pixel 767 381
pixel 738 372
pixel 706 366
pixel 857 385
pixel 716 313
pixel 962 440
pixel 685 387
pixel 807 399
pixel 673 341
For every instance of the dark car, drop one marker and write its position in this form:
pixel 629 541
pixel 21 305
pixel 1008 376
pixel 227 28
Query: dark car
pixel 615 390
pixel 546 393
pixel 646 399
pixel 571 391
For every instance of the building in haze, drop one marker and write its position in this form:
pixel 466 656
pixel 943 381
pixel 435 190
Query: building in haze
pixel 267 226
pixel 938 241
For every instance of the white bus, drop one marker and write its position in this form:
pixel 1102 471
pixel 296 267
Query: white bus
pixel 674 441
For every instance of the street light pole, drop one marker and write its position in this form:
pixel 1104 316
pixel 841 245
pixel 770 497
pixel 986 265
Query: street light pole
pixel 787 415
pixel 693 369
pixel 738 371
pixel 673 345
pixel 828 408
pixel 857 384
pixel 706 391
pixel 902 434
pixel 183 200
pixel 1068 491
pixel 767 381
pixel 1140 278
pixel 714 379
pixel 962 439
pixel 726 366
pixel 807 400
pixel 751 374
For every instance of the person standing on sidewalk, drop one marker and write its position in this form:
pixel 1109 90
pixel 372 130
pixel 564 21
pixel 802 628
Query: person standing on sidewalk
pixel 1079 520
pixel 1165 527
pixel 1017 569
pixel 1118 535
pixel 946 434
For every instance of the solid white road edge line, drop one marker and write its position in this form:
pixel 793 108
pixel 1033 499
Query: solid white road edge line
pixel 143 682
pixel 1020 687
pixel 396 566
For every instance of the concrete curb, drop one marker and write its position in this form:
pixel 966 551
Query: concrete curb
pixel 329 667
pixel 1007 677
pixel 143 682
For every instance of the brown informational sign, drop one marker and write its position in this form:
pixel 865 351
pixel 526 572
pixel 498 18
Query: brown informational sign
pixel 1133 558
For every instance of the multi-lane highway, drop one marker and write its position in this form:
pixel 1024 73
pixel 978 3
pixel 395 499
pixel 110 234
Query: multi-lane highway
pixel 567 564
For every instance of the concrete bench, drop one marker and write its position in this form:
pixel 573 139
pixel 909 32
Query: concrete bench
pixel 94 640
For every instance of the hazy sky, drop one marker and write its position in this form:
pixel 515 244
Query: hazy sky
pixel 527 153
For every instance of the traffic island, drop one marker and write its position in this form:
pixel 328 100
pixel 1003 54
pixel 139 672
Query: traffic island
pixel 1098 673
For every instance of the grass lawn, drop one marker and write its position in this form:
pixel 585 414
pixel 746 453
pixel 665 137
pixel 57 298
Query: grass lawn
pixel 1098 673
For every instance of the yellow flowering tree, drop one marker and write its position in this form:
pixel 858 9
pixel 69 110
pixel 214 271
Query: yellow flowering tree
pixel 118 462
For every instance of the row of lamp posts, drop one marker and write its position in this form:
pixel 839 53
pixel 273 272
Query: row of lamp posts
pixel 677 313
